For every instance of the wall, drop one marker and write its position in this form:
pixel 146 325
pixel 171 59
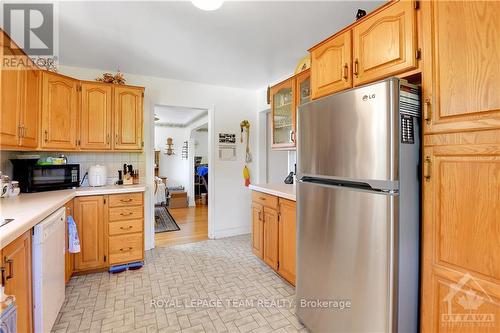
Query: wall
pixel 201 143
pixel 112 161
pixel 227 107
pixel 173 166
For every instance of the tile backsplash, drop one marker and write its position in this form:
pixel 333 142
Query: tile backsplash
pixel 112 161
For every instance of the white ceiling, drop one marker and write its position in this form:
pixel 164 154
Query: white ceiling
pixel 245 44
pixel 177 116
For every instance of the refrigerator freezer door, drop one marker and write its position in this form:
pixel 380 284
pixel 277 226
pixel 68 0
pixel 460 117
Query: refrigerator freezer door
pixel 345 242
pixel 352 135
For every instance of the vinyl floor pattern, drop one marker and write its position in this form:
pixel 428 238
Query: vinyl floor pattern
pixel 207 286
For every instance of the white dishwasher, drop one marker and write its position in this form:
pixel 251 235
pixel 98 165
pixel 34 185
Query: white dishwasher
pixel 48 270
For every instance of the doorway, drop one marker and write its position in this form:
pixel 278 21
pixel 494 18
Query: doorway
pixel 182 145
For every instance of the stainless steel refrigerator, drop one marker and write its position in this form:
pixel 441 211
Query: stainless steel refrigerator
pixel 358 210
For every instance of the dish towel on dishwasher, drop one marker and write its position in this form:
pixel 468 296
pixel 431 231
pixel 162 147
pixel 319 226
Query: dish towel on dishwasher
pixel 73 241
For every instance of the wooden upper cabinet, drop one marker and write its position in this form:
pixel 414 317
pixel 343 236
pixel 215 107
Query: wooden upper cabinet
pixel 302 88
pixel 128 113
pixel 331 65
pixel 59 112
pixel 287 240
pixel 461 230
pixel 89 219
pixel 11 106
pixel 95 119
pixel 386 43
pixel 270 217
pixel 30 117
pixel 16 258
pixel 461 86
pixel 283 111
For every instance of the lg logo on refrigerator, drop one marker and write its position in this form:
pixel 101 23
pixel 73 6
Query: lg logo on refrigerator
pixel 368 97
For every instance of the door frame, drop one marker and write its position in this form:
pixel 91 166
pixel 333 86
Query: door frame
pixel 149 151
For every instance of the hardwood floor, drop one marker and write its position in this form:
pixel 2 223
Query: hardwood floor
pixel 193 222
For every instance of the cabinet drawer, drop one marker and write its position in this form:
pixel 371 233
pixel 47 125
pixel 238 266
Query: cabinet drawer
pixel 125 213
pixel 264 199
pixel 125 227
pixel 127 199
pixel 125 248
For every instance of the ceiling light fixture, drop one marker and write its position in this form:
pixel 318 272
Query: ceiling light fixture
pixel 207 4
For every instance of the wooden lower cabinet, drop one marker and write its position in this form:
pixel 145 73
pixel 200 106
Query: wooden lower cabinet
pixel 257 230
pixel 89 218
pixel 461 232
pixel 273 233
pixel 271 237
pixel 111 230
pixel 16 270
pixel 287 240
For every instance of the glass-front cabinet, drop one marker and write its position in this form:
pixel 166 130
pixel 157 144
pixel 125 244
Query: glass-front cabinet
pixel 286 96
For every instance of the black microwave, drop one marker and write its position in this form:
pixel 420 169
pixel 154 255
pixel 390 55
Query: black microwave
pixel 38 178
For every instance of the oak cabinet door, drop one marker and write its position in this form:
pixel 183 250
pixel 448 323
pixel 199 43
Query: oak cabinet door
pixel 271 237
pixel 59 112
pixel 128 113
pixel 461 235
pixel 95 119
pixel 287 240
pixel 11 106
pixel 30 118
pixel 461 84
pixel 16 258
pixel 331 66
pixel 283 112
pixel 257 230
pixel 89 218
pixel 385 43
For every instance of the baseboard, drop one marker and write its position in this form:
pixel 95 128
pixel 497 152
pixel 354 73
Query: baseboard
pixel 231 232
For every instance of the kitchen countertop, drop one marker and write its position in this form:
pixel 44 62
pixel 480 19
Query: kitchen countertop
pixel 282 190
pixel 28 209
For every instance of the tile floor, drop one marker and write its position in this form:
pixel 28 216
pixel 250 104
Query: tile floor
pixel 208 286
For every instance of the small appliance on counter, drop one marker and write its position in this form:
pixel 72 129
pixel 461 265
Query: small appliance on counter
pixel 33 177
pixel 97 175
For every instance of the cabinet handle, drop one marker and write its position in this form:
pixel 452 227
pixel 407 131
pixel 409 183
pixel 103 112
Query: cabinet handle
pixel 292 136
pixel 126 249
pixel 260 217
pixel 25 129
pixel 427 110
pixel 427 169
pixel 116 138
pixel 20 130
pixel 126 214
pixel 10 262
pixel 262 198
pixel 46 136
pixel 126 200
pixel 346 72
pixel 356 67
pixel 107 139
pixel 126 228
